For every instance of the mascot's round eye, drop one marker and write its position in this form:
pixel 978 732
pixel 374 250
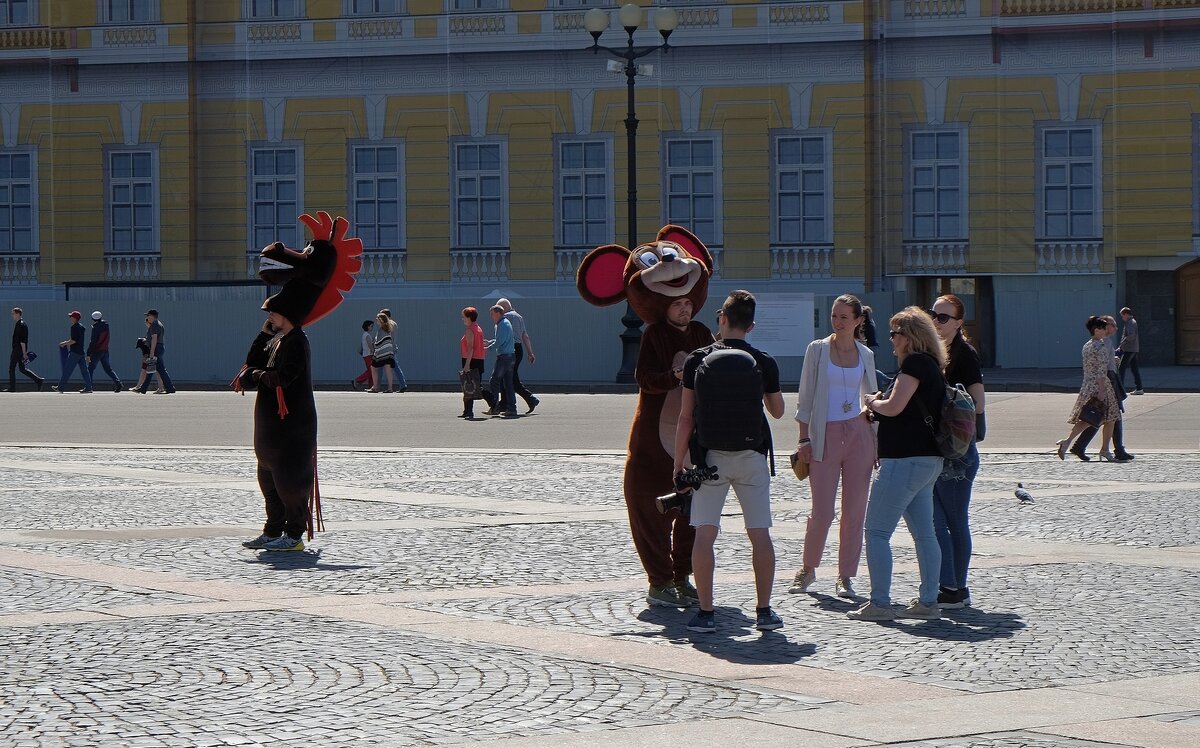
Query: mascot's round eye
pixel 649 259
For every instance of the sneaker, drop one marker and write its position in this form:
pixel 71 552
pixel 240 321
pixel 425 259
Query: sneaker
pixel 492 412
pixel 117 387
pixel 284 542
pixel 964 594
pixel 354 387
pixel 510 414
pixel 768 621
pixel 872 612
pixel 665 596
pixel 1138 392
pixel 86 392
pixel 844 587
pixel 533 403
pixel 949 599
pixel 1123 456
pixel 804 578
pixel 687 591
pixel 920 612
pixel 260 542
pixel 703 622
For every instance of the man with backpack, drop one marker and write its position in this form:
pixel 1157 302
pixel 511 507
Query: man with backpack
pixel 722 425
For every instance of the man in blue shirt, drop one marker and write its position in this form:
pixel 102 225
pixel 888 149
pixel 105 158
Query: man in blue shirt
pixel 502 371
pixel 75 356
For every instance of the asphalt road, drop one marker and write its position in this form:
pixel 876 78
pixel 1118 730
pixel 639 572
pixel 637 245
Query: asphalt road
pixel 1016 421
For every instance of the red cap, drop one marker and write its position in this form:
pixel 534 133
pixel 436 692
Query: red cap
pixel 76 315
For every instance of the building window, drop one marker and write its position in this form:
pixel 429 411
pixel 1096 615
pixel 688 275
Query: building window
pixel 936 193
pixel 274 196
pixel 16 202
pixel 17 12
pixel 129 11
pixel 378 176
pixel 478 4
pixel 1069 191
pixel 802 190
pixel 691 191
pixel 259 9
pixel 479 195
pixel 132 203
pixel 584 200
pixel 372 7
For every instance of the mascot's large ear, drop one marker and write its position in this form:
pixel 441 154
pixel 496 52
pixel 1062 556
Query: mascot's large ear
pixel 688 241
pixel 601 275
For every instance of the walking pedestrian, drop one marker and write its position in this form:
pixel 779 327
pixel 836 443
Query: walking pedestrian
pixel 1079 449
pixel 156 334
pixel 402 384
pixel 505 402
pixel 367 350
pixel 1096 384
pixel 97 351
pixel 522 347
pixel 1128 350
pixel 471 350
pixel 147 373
pixel 19 358
pixel 383 353
pixel 75 356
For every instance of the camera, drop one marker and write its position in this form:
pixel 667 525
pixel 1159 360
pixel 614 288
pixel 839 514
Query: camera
pixel 685 482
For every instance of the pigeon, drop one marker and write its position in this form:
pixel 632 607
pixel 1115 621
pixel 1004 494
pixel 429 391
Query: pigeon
pixel 1024 496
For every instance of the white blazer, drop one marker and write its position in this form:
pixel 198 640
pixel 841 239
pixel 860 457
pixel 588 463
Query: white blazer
pixel 812 405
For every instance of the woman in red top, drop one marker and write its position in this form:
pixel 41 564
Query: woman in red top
pixel 471 350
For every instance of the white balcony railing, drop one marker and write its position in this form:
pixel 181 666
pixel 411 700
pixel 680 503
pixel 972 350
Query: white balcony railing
pixel 131 267
pixel 478 264
pixel 1070 256
pixel 19 269
pixel 802 262
pixel 383 267
pixel 940 258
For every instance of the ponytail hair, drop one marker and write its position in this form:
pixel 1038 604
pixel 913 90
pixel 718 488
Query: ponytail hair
pixel 852 301
pixel 960 310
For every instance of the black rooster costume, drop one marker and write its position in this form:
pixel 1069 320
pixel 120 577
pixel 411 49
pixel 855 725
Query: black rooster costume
pixel 673 266
pixel 285 414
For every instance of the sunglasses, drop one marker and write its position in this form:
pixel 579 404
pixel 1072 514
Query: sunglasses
pixel 894 333
pixel 940 318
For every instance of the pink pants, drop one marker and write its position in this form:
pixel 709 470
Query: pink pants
pixel 849 456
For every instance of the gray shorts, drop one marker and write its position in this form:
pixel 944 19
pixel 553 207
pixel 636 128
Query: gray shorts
pixel 747 472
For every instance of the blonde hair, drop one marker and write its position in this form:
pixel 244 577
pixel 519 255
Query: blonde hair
pixel 914 322
pixel 386 322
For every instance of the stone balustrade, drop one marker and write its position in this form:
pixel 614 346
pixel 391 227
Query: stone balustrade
pixel 383 267
pixel 802 262
pixel 19 269
pixel 139 267
pixel 940 258
pixel 1070 256
pixel 478 265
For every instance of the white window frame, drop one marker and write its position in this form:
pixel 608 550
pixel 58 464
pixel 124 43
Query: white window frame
pixel 248 8
pixel 32 184
pixel 281 227
pixel 936 164
pixel 112 182
pixel 6 14
pixel 105 14
pixel 562 192
pixel 777 171
pixel 370 239
pixel 458 174
pixel 715 237
pixel 475 6
pixel 1044 163
pixel 349 10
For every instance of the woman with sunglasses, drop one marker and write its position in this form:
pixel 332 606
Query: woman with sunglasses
pixel 952 492
pixel 909 464
pixel 1095 384
pixel 837 440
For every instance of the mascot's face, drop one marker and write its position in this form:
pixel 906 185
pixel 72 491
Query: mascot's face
pixel 277 264
pixel 315 278
pixel 675 265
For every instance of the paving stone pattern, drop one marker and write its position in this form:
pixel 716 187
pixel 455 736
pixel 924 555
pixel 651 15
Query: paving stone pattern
pixel 290 679
pixel 38 592
pixel 1008 740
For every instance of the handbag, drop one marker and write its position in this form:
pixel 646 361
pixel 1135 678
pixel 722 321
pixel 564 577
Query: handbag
pixel 384 347
pixel 469 379
pixel 30 356
pixel 798 467
pixel 1092 412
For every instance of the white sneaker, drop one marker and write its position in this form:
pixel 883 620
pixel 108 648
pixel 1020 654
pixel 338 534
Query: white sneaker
pixel 844 587
pixel 284 543
pixel 920 612
pixel 804 579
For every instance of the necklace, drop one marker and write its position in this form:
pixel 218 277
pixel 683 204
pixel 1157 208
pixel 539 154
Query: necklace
pixel 846 405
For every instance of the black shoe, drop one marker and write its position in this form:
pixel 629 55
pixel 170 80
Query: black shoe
pixel 41 383
pixel 86 392
pixel 533 403
pixel 1123 456
pixel 117 387
pixel 1081 455
pixel 949 599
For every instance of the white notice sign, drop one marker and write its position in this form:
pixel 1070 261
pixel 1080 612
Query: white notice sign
pixel 783 323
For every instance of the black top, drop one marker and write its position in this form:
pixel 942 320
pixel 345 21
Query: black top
pixel 963 367
pixel 99 342
pixel 77 334
pixel 156 328
pixel 770 369
pixel 283 363
pixel 907 434
pixel 20 334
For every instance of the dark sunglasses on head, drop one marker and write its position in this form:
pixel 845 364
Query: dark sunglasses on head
pixel 940 318
pixel 894 333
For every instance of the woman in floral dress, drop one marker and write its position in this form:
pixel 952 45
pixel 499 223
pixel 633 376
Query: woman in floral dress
pixel 1095 384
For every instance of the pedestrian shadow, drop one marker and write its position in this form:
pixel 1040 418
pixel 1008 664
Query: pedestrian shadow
pixel 964 625
pixel 299 561
pixel 730 642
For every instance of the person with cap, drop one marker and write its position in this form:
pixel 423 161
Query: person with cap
pixel 75 356
pixel 522 347
pixel 20 352
pixel 155 335
pixel 97 351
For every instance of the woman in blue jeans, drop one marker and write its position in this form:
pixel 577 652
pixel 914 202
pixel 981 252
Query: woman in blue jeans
pixel 909 464
pixel 952 492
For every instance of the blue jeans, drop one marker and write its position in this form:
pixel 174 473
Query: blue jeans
pixel 501 383
pixel 951 498
pixel 902 488
pixel 400 383
pixel 163 377
pixel 102 359
pixel 73 360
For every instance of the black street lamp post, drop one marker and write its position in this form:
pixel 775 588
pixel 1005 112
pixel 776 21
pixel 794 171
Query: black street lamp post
pixel 596 21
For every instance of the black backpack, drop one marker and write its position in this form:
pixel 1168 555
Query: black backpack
pixel 729 401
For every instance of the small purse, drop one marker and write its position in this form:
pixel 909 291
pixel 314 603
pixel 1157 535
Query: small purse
pixel 798 467
pixel 1092 412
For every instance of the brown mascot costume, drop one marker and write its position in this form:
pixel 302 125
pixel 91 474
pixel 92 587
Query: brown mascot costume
pixel 666 283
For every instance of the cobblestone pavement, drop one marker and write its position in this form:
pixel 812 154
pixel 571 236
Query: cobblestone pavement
pixel 452 602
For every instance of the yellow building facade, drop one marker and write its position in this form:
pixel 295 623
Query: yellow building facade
pixel 1037 157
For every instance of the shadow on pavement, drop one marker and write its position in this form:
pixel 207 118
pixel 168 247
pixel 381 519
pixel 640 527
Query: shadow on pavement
pixel 299 560
pixel 965 625
pixel 731 641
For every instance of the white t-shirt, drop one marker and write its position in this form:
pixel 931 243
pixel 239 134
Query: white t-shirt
pixel 844 386
pixel 368 344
